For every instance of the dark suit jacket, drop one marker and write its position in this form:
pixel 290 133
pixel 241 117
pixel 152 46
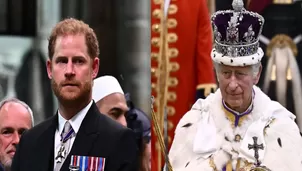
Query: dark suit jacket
pixel 1 167
pixel 98 136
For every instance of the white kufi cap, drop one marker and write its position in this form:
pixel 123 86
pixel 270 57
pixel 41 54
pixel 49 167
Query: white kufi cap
pixel 104 86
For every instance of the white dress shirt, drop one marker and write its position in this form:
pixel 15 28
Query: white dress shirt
pixel 75 122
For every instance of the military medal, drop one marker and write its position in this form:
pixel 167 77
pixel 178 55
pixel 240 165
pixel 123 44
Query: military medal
pixel 86 163
pixel 61 154
pixel 74 168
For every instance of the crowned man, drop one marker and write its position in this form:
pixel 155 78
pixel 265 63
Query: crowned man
pixel 238 127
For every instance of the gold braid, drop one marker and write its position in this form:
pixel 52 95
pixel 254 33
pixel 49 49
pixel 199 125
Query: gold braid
pixel 160 137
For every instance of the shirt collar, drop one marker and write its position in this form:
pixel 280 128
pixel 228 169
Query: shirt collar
pixel 75 121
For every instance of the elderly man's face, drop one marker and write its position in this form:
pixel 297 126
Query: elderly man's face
pixel 236 84
pixel 115 106
pixel 14 120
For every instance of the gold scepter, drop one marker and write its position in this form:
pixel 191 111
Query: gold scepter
pixel 160 136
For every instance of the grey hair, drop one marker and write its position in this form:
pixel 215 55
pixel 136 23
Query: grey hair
pixel 255 68
pixel 3 102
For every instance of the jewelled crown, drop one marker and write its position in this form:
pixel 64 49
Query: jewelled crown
pixel 236 32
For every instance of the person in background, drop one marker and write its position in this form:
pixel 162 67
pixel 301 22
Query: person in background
pixel 109 98
pixel 140 123
pixel 15 118
pixel 111 101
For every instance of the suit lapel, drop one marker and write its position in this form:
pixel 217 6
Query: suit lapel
pixel 45 146
pixel 86 135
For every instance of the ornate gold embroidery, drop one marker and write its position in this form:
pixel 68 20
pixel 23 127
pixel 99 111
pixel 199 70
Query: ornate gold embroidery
pixel 212 164
pixel 171 110
pixel 207 88
pixel 171 23
pixel 172 38
pixel 242 118
pixel 171 96
pixel 157 13
pixel 281 41
pixel 248 165
pixel 172 52
pixel 232 118
pixel 170 125
pixel 174 66
pixel 154 72
pixel 238 164
pixel 229 166
pixel 172 9
pixel 153 86
pixel 156 28
pixel 172 82
pixel 251 167
pixel 155 41
pixel 157 1
pixel 154 56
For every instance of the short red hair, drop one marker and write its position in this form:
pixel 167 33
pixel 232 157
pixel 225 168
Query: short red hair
pixel 73 26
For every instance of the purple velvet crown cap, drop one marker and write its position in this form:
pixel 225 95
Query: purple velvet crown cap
pixel 236 34
pixel 238 26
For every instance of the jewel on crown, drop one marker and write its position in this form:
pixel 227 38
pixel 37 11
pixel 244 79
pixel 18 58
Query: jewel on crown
pixel 232 30
pixel 236 32
pixel 249 35
pixel 217 35
pixel 237 5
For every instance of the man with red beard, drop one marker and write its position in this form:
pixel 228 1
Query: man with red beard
pixel 15 118
pixel 78 137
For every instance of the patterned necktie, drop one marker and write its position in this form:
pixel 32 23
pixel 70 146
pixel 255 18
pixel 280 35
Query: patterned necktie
pixel 66 136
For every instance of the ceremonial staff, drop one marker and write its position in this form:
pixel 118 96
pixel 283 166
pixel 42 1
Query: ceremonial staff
pixel 162 143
